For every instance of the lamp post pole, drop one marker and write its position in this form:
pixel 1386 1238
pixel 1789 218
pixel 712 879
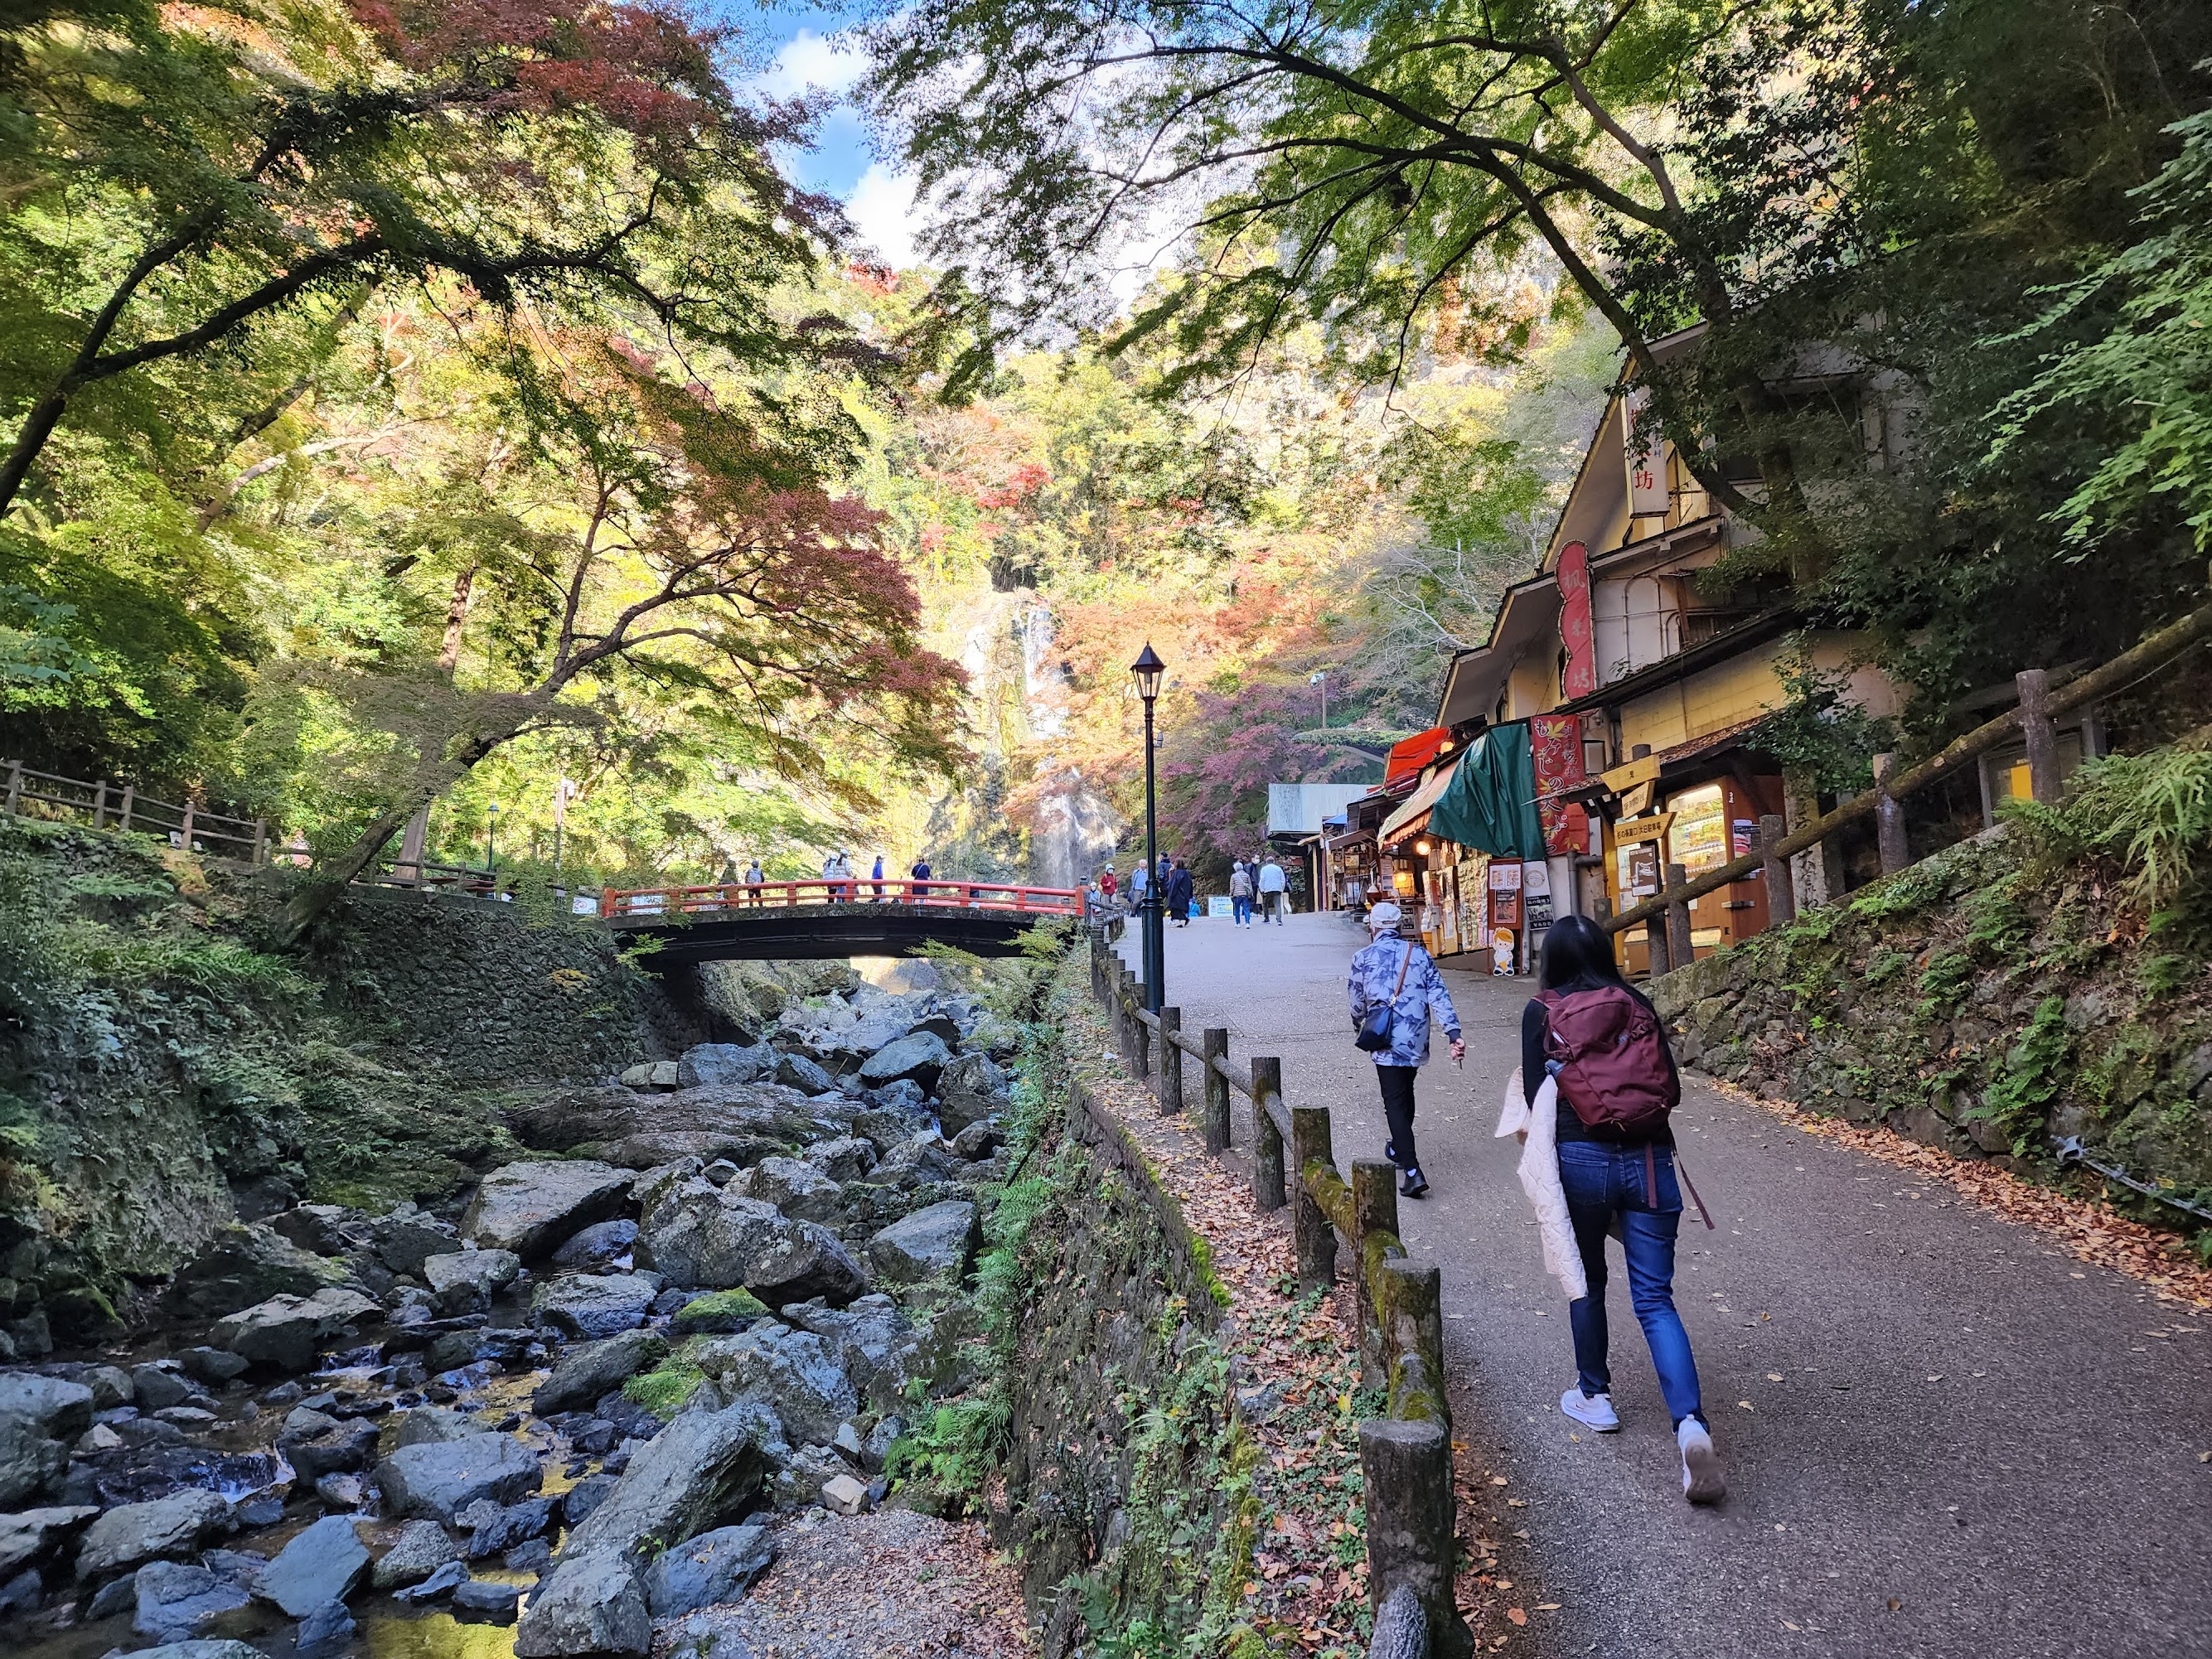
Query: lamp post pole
pixel 491 845
pixel 1151 916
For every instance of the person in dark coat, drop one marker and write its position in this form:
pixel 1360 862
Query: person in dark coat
pixel 1179 892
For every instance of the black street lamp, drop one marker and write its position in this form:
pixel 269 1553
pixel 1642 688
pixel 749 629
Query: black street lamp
pixel 1152 932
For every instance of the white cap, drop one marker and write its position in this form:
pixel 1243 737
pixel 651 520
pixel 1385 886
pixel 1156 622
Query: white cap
pixel 1383 917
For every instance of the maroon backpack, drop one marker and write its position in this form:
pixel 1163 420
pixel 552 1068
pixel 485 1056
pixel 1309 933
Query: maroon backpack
pixel 1611 1058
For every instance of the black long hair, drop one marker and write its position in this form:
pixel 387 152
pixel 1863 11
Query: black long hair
pixel 1578 952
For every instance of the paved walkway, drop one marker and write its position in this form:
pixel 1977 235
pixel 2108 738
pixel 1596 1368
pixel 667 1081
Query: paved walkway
pixel 1959 1440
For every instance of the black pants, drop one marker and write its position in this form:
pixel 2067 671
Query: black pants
pixel 1398 1109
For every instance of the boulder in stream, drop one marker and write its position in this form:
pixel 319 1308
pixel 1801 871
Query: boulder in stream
pixel 696 1471
pixel 971 1090
pixel 325 1563
pixel 176 1601
pixel 712 1063
pixel 39 1415
pixel 919 1058
pixel 221 1648
pixel 420 1548
pixel 796 1187
pixel 31 1535
pixel 713 1568
pixel 532 1208
pixel 243 1264
pixel 591 1306
pixel 463 1281
pixel 794 1375
pixel 586 1373
pixel 131 1534
pixel 705 1238
pixel 926 1244
pixel 287 1332
pixel 435 1479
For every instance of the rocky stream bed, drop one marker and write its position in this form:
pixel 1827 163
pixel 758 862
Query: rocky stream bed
pixel 562 1413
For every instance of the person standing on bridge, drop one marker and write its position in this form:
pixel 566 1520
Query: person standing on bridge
pixel 1601 1049
pixel 1398 974
pixel 754 877
pixel 1275 897
pixel 880 877
pixel 921 874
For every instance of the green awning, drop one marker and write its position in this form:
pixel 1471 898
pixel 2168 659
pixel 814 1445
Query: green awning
pixel 1491 803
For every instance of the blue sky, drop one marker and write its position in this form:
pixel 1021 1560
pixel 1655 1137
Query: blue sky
pixel 801 42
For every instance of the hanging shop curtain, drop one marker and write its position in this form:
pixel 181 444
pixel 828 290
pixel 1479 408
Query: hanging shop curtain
pixel 1491 803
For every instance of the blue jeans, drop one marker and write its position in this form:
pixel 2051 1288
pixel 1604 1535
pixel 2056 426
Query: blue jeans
pixel 1603 1181
pixel 1240 908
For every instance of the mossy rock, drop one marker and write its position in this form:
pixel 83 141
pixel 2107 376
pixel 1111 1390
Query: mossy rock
pixel 718 1313
pixel 664 1392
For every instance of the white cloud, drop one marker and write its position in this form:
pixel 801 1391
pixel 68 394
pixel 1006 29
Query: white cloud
pixel 883 210
pixel 808 59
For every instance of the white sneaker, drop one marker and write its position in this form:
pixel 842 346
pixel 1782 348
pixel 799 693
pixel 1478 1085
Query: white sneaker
pixel 1701 1464
pixel 1591 1411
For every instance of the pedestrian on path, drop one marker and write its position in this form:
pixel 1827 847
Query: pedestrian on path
pixel 1180 891
pixel 1139 883
pixel 1604 1081
pixel 1398 975
pixel 1274 895
pixel 880 877
pixel 1240 895
pixel 1109 883
pixel 921 874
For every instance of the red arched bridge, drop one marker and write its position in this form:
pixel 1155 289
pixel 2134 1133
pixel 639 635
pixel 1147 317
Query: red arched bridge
pixel 784 920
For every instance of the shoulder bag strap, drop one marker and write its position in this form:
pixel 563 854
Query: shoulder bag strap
pixel 1405 962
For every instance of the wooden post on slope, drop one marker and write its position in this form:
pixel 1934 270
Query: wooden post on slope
pixel 1406 1480
pixel 1268 1193
pixel 1680 952
pixel 1890 840
pixel 1374 1210
pixel 1215 1043
pixel 2044 781
pixel 1170 1089
pixel 100 805
pixel 1310 1228
pixel 1140 1042
pixel 1781 892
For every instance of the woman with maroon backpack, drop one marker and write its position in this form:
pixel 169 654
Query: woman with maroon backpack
pixel 1601 1051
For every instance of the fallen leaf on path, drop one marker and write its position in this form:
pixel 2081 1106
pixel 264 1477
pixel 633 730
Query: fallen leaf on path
pixel 1516 1615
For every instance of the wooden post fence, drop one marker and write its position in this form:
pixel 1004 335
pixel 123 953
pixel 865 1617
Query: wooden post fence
pixel 1170 1089
pixel 2046 783
pixel 1781 891
pixel 1679 950
pixel 2146 657
pixel 1397 1304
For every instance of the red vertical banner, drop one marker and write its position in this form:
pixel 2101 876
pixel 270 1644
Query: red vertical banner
pixel 1555 745
pixel 1572 575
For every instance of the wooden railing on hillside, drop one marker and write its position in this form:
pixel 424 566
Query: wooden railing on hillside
pixel 658 903
pixel 1667 916
pixel 1405 1455
pixel 51 797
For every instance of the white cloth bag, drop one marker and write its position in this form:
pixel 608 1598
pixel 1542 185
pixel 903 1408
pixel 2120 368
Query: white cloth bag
pixel 1539 1179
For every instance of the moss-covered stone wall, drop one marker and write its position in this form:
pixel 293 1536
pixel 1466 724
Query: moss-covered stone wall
pixel 1987 1002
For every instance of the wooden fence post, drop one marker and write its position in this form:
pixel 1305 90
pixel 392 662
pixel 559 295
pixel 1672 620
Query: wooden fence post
pixel 1215 1043
pixel 130 795
pixel 2045 782
pixel 1680 951
pixel 1654 940
pixel 15 786
pixel 1170 1089
pixel 188 826
pixel 100 805
pixel 1889 819
pixel 1374 1210
pixel 260 840
pixel 1268 1192
pixel 1140 1038
pixel 1781 892
pixel 1309 1227
pixel 1413 1322
pixel 1406 1481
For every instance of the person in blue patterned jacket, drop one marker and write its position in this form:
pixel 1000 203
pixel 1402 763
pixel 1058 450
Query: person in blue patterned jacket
pixel 1375 972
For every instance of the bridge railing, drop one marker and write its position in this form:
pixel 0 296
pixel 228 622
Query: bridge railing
pixel 735 899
